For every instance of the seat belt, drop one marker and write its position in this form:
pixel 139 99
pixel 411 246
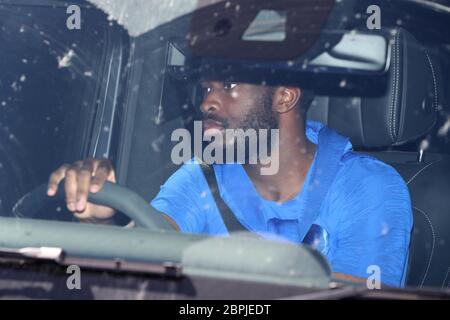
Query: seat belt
pixel 228 217
pixel 328 157
pixel 326 167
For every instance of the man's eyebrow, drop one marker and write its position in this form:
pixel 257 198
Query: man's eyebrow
pixel 211 83
pixel 206 83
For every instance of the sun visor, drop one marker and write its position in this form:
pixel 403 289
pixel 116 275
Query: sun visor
pixel 276 30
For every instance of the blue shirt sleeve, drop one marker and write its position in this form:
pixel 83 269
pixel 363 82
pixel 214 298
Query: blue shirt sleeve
pixel 375 221
pixel 183 200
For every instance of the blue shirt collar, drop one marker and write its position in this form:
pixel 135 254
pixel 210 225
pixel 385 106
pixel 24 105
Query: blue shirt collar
pixel 312 131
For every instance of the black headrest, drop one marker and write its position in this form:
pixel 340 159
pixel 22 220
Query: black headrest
pixel 406 110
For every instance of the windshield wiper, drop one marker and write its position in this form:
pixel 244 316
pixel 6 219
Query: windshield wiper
pixel 41 253
pixel 167 269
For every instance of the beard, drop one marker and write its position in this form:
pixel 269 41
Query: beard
pixel 260 117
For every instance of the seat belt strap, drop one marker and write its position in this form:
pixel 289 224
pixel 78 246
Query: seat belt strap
pixel 326 167
pixel 231 222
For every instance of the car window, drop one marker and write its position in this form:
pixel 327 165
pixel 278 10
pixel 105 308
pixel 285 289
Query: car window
pixel 314 125
pixel 51 90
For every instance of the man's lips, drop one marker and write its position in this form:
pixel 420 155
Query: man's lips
pixel 212 124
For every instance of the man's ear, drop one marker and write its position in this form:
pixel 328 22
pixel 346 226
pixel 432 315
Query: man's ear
pixel 286 98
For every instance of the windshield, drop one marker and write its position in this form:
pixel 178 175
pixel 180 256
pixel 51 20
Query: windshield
pixel 319 125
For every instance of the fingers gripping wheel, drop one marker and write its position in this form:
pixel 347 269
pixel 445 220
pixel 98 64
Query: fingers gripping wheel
pixel 111 195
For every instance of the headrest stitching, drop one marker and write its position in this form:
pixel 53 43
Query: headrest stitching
pixel 436 102
pixel 394 118
pixel 395 54
pixel 445 279
pixel 422 170
pixel 432 248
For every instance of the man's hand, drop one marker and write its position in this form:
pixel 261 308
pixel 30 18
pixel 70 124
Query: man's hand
pixel 81 178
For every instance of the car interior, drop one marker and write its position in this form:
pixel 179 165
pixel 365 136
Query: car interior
pixel 153 102
pixel 380 126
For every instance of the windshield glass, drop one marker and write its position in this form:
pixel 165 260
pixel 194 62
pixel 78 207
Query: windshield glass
pixel 316 123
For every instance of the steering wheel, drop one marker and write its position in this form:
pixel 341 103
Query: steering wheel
pixel 111 195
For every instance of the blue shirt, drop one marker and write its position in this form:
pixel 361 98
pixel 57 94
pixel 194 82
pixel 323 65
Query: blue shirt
pixel 365 218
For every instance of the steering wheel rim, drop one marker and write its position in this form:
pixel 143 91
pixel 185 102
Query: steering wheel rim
pixel 111 195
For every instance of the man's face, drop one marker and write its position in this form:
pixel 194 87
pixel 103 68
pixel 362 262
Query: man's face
pixel 236 106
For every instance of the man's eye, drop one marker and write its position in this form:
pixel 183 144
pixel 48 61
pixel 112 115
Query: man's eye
pixel 229 85
pixel 206 90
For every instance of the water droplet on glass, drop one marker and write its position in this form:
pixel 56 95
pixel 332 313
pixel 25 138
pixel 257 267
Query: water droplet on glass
pixel 444 129
pixel 15 86
pixel 384 229
pixel 424 145
pixel 65 61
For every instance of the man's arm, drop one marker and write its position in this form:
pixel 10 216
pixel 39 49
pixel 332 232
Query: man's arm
pixel 172 222
pixel 374 225
pixel 181 199
pixel 349 278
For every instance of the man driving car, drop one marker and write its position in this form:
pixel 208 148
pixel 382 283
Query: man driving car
pixel 356 209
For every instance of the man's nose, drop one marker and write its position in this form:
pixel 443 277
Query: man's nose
pixel 210 104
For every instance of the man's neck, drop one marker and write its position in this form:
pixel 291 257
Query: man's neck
pixel 296 154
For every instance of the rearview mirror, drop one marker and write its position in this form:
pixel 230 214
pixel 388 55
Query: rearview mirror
pixel 310 33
